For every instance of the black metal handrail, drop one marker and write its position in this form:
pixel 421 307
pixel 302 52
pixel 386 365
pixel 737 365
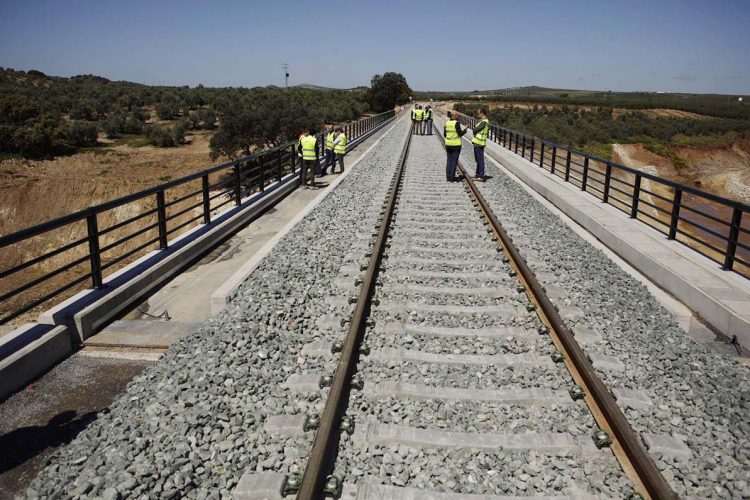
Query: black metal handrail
pixel 596 175
pixel 159 217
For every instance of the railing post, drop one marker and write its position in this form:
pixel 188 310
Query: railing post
pixel 675 214
pixel 237 185
pixel 523 147
pixel 515 148
pixel 585 179
pixel 541 156
pixel 206 200
pixel 554 160
pixel 279 166
pixel 531 150
pixel 734 234
pixel 636 197
pixel 262 173
pixel 607 177
pixel 94 257
pixel 567 167
pixel 161 212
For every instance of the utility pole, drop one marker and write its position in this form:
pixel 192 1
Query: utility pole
pixel 285 66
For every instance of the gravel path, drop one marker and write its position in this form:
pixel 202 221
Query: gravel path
pixel 194 422
pixel 444 338
pixel 697 397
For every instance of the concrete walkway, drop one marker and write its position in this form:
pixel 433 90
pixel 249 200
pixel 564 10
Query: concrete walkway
pixel 697 290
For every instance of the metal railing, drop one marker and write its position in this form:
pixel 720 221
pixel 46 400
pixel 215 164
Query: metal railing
pixel 716 227
pixel 60 257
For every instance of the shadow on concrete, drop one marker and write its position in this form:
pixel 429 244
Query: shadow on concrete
pixel 22 444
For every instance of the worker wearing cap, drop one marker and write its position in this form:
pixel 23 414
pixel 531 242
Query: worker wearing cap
pixel 481 131
pixel 414 118
pixel 452 133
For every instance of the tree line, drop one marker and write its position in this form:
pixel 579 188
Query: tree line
pixel 43 115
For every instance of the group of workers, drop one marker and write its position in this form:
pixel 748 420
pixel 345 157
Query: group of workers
pixel 452 132
pixel 335 145
pixel 421 120
pixel 307 152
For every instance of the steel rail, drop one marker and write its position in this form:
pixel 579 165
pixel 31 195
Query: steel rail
pixel 648 477
pixel 323 451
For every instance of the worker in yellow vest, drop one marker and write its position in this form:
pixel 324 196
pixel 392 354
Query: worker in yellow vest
pixel 452 132
pixel 308 148
pixel 481 131
pixel 339 148
pixel 419 115
pixel 329 155
pixel 428 120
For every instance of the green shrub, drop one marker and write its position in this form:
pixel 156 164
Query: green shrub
pixel 82 134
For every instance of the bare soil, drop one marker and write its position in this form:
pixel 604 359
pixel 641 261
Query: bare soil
pixel 36 191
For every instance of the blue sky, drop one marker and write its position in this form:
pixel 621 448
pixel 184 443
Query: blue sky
pixel 660 45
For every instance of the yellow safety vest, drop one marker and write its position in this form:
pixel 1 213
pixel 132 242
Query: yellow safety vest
pixel 308 147
pixel 451 134
pixel 329 141
pixel 299 143
pixel 419 114
pixel 341 146
pixel 428 114
pixel 480 138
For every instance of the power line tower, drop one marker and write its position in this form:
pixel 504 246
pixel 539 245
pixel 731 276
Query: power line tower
pixel 285 66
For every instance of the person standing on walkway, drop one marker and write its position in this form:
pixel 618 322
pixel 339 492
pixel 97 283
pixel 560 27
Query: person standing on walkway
pixel 308 148
pixel 428 120
pixel 452 132
pixel 414 119
pixel 339 148
pixel 329 156
pixel 481 131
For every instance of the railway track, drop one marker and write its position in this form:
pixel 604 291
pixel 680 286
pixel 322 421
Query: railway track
pixel 457 377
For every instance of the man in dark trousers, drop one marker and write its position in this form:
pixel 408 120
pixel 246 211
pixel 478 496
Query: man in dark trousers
pixel 428 120
pixel 329 156
pixel 452 133
pixel 481 131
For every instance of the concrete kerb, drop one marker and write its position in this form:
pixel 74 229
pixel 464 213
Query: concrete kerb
pixel 225 292
pixel 594 219
pixel 18 366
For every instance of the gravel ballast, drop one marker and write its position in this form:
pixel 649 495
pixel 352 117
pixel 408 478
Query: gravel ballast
pixel 192 424
pixel 699 396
